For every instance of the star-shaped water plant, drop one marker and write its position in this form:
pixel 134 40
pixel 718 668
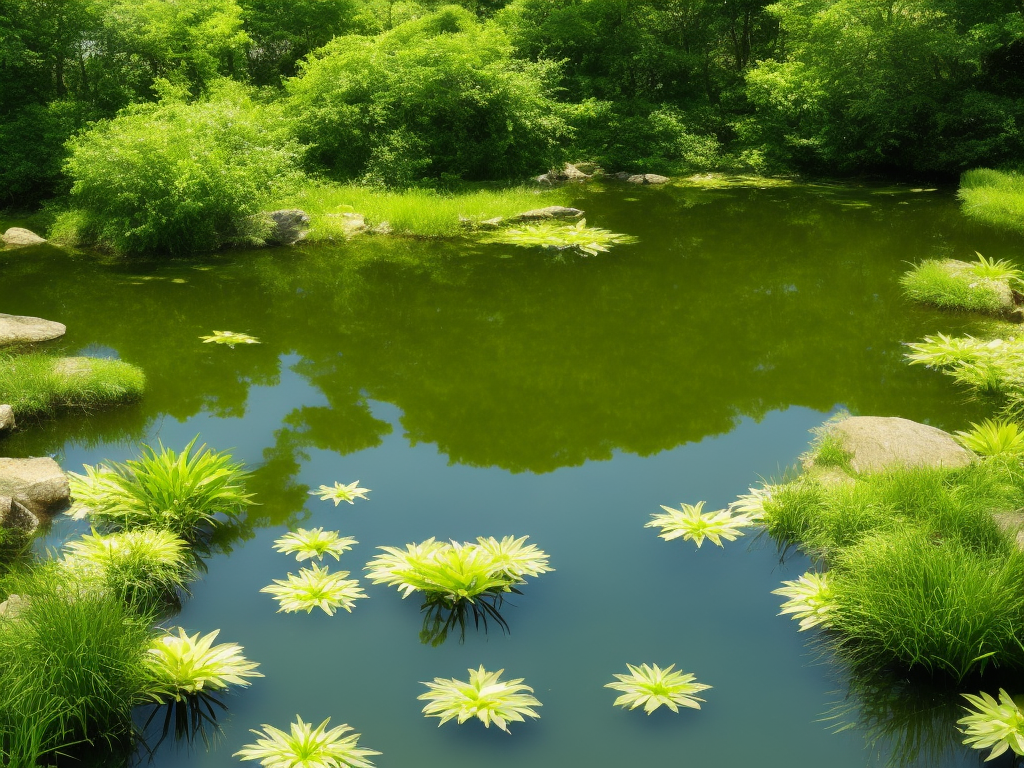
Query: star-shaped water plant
pixel 183 665
pixel 230 338
pixel 314 543
pixel 810 600
pixel 484 697
pixel 689 522
pixel 315 588
pixel 339 493
pixel 307 747
pixel 652 687
pixel 996 724
pixel 751 505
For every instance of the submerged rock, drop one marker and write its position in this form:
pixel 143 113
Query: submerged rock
pixel 551 212
pixel 876 443
pixel 21 329
pixel 17 236
pixel 290 226
pixel 14 514
pixel 6 418
pixel 38 484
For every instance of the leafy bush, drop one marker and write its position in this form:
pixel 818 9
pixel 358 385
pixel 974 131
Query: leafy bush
pixel 439 97
pixel 993 197
pixel 178 178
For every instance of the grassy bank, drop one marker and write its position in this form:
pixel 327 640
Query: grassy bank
pixel 993 197
pixel 982 286
pixel 40 384
pixel 411 212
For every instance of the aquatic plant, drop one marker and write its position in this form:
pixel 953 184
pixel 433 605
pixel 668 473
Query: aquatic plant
pixel 588 240
pixel 652 687
pixel 996 365
pixel 184 665
pixel 307 747
pixel 141 566
pixel 689 522
pixel 314 543
pixel 230 338
pixel 339 493
pixel 484 697
pixel 751 504
pixel 316 588
pixel 996 724
pixel 993 438
pixel 993 269
pixel 182 493
pixel 810 600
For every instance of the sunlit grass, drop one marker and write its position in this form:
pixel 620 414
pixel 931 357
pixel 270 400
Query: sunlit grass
pixel 993 438
pixel 983 286
pixel 993 197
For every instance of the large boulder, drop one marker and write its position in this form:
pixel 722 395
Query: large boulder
pixel 646 178
pixel 16 236
pixel 290 226
pixel 876 443
pixel 38 484
pixel 6 418
pixel 15 515
pixel 551 212
pixel 19 329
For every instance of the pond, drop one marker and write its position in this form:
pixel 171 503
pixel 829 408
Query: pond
pixel 486 390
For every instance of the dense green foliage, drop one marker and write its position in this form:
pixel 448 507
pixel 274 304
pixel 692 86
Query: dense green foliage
pixel 993 197
pixel 958 285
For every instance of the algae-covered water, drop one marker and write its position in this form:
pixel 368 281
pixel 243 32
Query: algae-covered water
pixel 491 391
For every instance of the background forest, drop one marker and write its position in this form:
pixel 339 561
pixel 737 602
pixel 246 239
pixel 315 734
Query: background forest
pixel 224 99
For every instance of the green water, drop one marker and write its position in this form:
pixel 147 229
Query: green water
pixel 490 390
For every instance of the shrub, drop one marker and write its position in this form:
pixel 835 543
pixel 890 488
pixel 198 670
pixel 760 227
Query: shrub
pixel 37 384
pixel 438 97
pixel 181 493
pixel 178 178
pixel 993 197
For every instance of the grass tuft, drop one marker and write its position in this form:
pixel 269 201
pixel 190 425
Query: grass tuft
pixel 984 286
pixel 993 197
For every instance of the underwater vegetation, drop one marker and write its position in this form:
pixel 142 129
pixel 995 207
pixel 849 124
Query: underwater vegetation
pixel 982 286
pixel 589 241
pixel 485 696
pixel 689 522
pixel 339 493
pixel 315 587
pixel 317 542
pixel 652 687
pixel 182 493
pixel 230 338
pixel 458 580
pixel 307 747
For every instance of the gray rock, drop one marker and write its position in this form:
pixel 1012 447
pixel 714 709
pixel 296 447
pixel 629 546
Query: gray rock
pixel 384 228
pixel 569 173
pixel 70 367
pixel 16 236
pixel 877 442
pixel 14 515
pixel 38 484
pixel 494 223
pixel 19 329
pixel 551 212
pixel 290 226
pixel 6 418
pixel 646 178
pixel 572 173
pixel 623 175
pixel 13 606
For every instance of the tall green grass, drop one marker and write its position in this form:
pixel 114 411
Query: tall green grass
pixel 954 285
pixel 411 212
pixel 73 667
pixel 993 197
pixel 33 384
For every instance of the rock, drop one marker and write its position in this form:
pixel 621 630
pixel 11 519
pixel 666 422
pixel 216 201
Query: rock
pixel 494 223
pixel 551 212
pixel 6 418
pixel 69 367
pixel 384 228
pixel 622 175
pixel 18 329
pixel 38 484
pixel 572 173
pixel 569 173
pixel 1012 524
pixel 351 223
pixel 646 178
pixel 17 236
pixel 290 226
pixel 877 442
pixel 14 515
pixel 12 607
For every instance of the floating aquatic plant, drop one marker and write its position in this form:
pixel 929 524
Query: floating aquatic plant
pixel 810 600
pixel 314 543
pixel 484 697
pixel 751 505
pixel 992 438
pixel 455 578
pixel 316 588
pixel 184 666
pixel 339 493
pixel 230 338
pixel 995 724
pixel 181 493
pixel 689 522
pixel 588 240
pixel 652 687
pixel 307 747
